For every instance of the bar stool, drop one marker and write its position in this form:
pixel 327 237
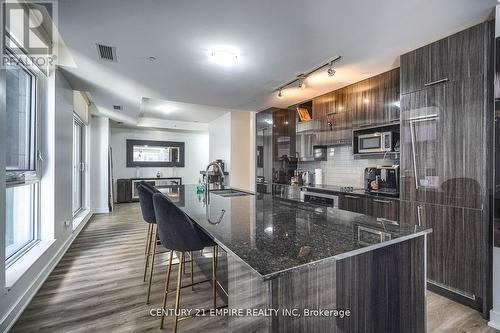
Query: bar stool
pixel 146 191
pixel 178 233
pixel 148 214
pixel 150 227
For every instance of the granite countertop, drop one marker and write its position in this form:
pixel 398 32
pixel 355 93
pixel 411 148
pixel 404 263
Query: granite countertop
pixel 272 235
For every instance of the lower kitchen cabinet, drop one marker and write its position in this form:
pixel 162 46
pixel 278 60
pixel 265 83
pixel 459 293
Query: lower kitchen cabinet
pixel 455 257
pixel 353 203
pixel 378 207
pixel 385 208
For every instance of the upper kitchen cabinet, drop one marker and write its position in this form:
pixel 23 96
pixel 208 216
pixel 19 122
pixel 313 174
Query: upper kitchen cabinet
pixel 377 100
pixel 460 56
pixel 371 102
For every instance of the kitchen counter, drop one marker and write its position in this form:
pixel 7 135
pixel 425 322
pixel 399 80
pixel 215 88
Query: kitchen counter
pixel 289 254
pixel 286 235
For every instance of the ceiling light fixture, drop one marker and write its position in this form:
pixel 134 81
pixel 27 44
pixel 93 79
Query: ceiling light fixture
pixel 280 94
pixel 223 57
pixel 302 84
pixel 331 71
pixel 301 78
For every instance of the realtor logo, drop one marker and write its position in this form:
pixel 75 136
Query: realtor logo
pixel 28 31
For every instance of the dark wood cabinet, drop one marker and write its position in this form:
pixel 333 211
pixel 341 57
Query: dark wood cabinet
pixel 384 208
pixel 457 57
pixel 441 136
pixel 374 206
pixel 354 203
pixel 370 102
pixel 454 249
pixel 446 129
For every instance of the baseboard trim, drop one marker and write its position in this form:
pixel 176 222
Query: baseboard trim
pixel 494 319
pixel 100 210
pixel 475 304
pixel 15 312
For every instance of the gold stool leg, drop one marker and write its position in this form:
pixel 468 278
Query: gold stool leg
pixel 147 239
pixel 192 276
pixel 165 294
pixel 155 232
pixel 148 250
pixel 214 279
pixel 178 293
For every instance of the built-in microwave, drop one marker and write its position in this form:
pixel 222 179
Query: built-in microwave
pixel 377 142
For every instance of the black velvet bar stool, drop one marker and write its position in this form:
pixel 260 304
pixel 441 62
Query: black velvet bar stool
pixel 178 233
pixel 148 214
pixel 150 227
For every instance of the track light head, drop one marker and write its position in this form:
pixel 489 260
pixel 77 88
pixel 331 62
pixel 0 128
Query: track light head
pixel 302 84
pixel 280 95
pixel 331 71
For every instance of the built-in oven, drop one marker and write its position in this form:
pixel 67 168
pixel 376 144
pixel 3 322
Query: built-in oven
pixel 321 198
pixel 377 142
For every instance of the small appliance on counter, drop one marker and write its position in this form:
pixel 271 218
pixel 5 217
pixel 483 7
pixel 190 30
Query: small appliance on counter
pixel 318 177
pixel 382 180
pixel 286 170
pixel 307 178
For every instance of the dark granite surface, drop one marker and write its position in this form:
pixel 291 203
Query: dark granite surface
pixel 273 235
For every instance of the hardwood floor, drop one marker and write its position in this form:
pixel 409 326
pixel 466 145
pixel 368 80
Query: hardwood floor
pixel 97 287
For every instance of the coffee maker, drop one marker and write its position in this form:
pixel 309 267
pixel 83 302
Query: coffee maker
pixel 382 180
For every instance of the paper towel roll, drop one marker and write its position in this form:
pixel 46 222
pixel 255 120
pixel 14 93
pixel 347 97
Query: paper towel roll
pixel 318 177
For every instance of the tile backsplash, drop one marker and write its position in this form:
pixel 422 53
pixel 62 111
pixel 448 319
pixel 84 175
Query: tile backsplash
pixel 342 168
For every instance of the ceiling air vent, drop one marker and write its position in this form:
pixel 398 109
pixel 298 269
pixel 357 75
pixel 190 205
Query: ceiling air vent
pixel 117 107
pixel 106 52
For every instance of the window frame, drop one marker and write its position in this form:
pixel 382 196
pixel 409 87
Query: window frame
pixel 35 231
pixel 24 176
pixel 79 122
pixel 30 177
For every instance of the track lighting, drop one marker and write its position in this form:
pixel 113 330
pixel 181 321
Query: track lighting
pixel 302 77
pixel 280 95
pixel 302 84
pixel 331 71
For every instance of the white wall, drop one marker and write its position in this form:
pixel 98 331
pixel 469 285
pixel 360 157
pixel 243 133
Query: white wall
pixel 22 280
pixel 232 139
pixel 240 150
pixel 196 153
pixel 98 166
pixel 220 141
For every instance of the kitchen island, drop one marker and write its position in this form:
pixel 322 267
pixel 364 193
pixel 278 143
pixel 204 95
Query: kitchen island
pixel 297 267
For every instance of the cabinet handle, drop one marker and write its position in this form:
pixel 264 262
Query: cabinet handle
pixel 382 201
pixel 351 197
pixel 384 220
pixel 419 215
pixel 436 82
pixel 364 125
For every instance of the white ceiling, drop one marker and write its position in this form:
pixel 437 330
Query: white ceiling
pixel 277 40
pixel 161 109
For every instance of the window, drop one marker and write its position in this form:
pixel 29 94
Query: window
pixel 21 160
pixel 20 119
pixel 78 165
pixel 20 229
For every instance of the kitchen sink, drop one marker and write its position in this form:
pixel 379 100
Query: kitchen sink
pixel 229 193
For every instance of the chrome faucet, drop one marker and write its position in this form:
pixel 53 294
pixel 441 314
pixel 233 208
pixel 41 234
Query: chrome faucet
pixel 207 186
